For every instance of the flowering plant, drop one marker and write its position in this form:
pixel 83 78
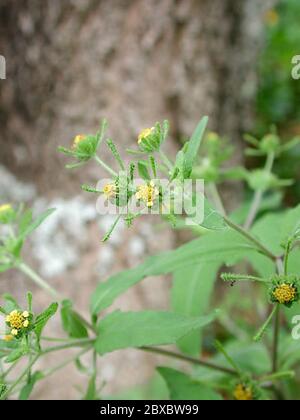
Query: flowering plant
pixel 259 240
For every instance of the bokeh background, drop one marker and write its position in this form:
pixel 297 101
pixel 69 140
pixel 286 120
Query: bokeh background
pixel 70 63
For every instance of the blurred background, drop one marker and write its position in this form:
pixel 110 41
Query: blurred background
pixel 70 63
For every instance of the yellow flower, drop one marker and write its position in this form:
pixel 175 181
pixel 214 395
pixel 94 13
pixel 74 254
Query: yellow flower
pixel 25 314
pixel 79 138
pixel 243 393
pixel 14 332
pixel 212 136
pixel 285 293
pixel 147 193
pixel 5 207
pixel 8 337
pixel 144 134
pixel 109 190
pixel 15 320
pixel 271 17
pixel 26 323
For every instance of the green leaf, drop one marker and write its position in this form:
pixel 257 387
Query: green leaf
pixel 71 322
pixel 25 221
pixel 91 392
pixel 223 247
pixel 16 354
pixel 183 387
pixel 191 293
pixel 248 356
pixel 42 319
pixel 116 154
pixel 143 170
pixel 28 388
pixel 35 224
pixel 193 147
pixel 5 267
pixel 211 219
pixel 121 330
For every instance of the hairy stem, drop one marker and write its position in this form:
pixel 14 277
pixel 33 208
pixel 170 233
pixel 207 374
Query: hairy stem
pixel 166 160
pixel 105 166
pixel 276 340
pixel 54 293
pixel 188 359
pixel 217 198
pixel 38 280
pixel 251 238
pixel 259 194
pixel 20 378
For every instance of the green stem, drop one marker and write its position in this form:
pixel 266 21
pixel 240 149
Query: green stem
pixel 65 363
pixel 12 366
pixel 251 238
pixel 44 285
pixel 166 160
pixel 289 374
pixel 188 359
pixel 38 280
pixel 20 378
pixel 105 166
pixel 286 257
pixel 254 209
pixel 26 371
pixel 262 330
pixel 76 343
pixel 259 194
pixel 217 198
pixel 276 340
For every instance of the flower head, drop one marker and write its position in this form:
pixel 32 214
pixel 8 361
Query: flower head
pixel 78 139
pixel 285 290
pixel 147 193
pixel 5 207
pixel 243 393
pixel 17 321
pixel 145 133
pixel 109 190
pixel 7 213
pixel 285 293
pixel 150 139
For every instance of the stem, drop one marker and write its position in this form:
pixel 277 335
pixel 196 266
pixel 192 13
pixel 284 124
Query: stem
pixel 105 166
pixel 286 257
pixel 276 340
pixel 289 374
pixel 259 194
pixel 65 363
pixel 76 343
pixel 44 285
pixel 188 359
pixel 12 366
pixel 251 238
pixel 254 209
pixel 217 198
pixel 166 160
pixel 262 330
pixel 37 279
pixel 20 378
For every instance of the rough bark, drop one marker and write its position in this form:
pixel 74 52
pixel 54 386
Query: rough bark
pixel 71 62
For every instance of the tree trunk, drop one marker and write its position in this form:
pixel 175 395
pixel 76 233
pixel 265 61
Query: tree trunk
pixel 69 63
